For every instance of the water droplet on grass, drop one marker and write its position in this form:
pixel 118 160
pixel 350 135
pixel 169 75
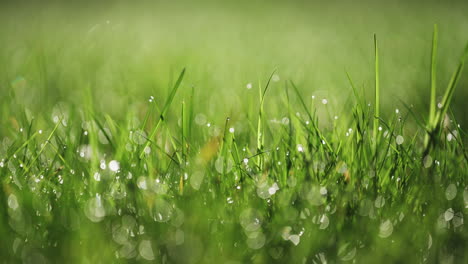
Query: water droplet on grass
pixel 451 192
pixel 323 190
pixel 457 219
pixel 162 210
pixel 97 176
pixel 256 240
pixel 385 229
pixel 196 180
pixel 94 209
pixel 272 190
pixel 324 221
pixel 427 161
pixel 200 119
pixel 250 220
pixel 295 239
pixel 399 140
pixel 300 148
pixel 142 183
pixel 346 252
pixel 103 165
pixel 223 166
pixel 379 202
pixel 448 215
pixel 145 249
pixel 13 202
pixel 114 165
pixel 139 137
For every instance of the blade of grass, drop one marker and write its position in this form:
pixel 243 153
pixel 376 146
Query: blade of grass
pixel 377 94
pixel 260 129
pixel 432 108
pixel 164 111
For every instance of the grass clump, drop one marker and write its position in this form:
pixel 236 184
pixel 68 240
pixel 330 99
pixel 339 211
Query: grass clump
pixel 285 178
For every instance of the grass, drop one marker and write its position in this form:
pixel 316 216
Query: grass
pixel 110 153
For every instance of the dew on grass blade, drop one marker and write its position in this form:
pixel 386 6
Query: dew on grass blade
pixel 379 202
pixel 250 220
pixel 139 137
pixel 427 161
pixel 94 209
pixel 286 232
pixel 13 202
pixel 128 250
pixel 223 165
pixel 399 140
pixel 145 249
pixel 161 210
pixel 457 219
pixel 196 180
pixel 385 229
pixel 119 234
pixel 448 215
pixel 429 241
pixel 97 176
pixel 275 78
pixel 142 183
pixel 300 148
pixel 324 221
pixel 295 239
pixel 346 252
pixel 451 192
pixel 272 190
pixel 159 187
pixel 103 165
pixel 441 223
pixel 256 240
pixel 114 165
pixel 323 190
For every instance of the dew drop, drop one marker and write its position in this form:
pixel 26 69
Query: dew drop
pixel 399 140
pixel 145 249
pixel 451 192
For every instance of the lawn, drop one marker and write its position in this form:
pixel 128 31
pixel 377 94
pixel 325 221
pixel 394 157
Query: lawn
pixel 233 132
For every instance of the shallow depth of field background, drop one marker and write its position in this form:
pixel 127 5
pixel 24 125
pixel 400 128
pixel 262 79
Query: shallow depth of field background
pixel 124 52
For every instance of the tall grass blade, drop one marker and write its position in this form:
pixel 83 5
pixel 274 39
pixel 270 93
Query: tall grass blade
pixel 164 110
pixel 377 94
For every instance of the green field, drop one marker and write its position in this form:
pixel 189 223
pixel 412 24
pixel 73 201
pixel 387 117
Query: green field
pixel 233 132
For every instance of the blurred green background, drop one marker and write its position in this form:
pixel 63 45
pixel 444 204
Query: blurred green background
pixel 124 52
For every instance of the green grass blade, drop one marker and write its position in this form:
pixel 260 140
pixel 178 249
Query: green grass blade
pixel 377 94
pixel 164 110
pixel 432 109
